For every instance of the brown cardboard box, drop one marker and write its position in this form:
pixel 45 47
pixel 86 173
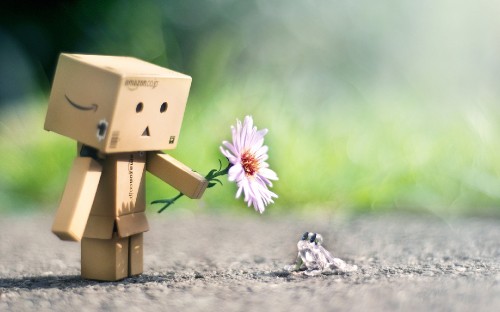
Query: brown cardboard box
pixel 112 259
pixel 121 111
pixel 120 197
pixel 135 254
pixel 117 104
pixel 176 174
pixel 105 259
pixel 71 217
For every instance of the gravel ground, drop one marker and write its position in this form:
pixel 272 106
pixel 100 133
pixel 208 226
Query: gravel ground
pixel 230 263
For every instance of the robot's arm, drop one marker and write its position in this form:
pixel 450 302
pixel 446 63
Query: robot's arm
pixel 74 209
pixel 176 174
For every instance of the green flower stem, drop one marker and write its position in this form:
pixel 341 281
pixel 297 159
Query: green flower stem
pixel 211 177
pixel 167 202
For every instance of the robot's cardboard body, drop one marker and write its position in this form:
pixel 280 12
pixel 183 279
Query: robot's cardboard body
pixel 122 111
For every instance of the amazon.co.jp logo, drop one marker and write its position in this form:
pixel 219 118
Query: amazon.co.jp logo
pixel 133 84
pixel 82 107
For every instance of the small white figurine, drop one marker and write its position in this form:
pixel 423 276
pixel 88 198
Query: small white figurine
pixel 314 259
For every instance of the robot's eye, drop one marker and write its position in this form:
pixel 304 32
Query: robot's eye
pixel 139 107
pixel 163 107
pixel 304 237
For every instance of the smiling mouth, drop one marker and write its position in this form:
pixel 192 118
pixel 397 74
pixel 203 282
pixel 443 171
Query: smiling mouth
pixel 81 107
pixel 146 132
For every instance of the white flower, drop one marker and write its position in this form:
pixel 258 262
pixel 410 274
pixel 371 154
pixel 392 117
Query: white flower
pixel 249 169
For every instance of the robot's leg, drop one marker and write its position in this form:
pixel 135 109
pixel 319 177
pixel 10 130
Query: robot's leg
pixel 105 259
pixel 135 262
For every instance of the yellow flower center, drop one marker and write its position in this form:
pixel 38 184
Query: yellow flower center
pixel 249 163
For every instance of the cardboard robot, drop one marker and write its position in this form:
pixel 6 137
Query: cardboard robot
pixel 122 112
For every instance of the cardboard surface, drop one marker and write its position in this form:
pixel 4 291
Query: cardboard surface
pixel 74 209
pixel 176 174
pixel 105 259
pixel 99 227
pixel 118 109
pixel 120 197
pixel 136 251
pixel 95 100
pixel 131 224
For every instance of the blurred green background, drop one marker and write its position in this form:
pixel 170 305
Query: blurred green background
pixel 371 105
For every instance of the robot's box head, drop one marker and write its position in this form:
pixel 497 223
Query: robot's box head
pixel 117 104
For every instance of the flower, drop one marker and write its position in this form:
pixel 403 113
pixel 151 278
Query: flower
pixel 246 166
pixel 249 169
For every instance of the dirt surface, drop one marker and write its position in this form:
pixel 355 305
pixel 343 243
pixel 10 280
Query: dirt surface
pixel 228 263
